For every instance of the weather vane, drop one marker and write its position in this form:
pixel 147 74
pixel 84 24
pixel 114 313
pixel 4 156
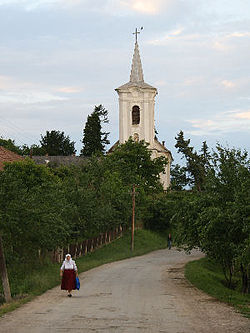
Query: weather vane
pixel 137 31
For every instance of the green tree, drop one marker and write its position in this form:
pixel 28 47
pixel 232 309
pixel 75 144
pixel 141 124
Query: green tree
pixel 32 209
pixel 196 164
pixel 132 160
pixel 178 177
pixel 94 140
pixel 160 209
pixel 55 143
pixel 10 145
pixel 217 220
pixel 33 150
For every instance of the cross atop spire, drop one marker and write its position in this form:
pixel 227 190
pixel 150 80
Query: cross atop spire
pixel 136 74
pixel 136 33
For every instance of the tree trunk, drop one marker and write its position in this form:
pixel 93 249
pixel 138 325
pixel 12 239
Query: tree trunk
pixel 4 274
pixel 245 279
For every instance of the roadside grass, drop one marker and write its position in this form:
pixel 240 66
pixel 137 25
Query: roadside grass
pixel 206 275
pixel 35 279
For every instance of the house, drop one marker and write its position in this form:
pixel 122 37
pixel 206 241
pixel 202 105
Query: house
pixel 8 156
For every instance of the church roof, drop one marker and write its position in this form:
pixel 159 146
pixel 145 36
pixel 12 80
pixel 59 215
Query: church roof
pixel 136 75
pixel 160 147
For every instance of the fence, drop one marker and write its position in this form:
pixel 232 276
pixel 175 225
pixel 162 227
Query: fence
pixel 82 248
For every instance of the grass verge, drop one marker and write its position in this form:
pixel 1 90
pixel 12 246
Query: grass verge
pixel 26 285
pixel 207 276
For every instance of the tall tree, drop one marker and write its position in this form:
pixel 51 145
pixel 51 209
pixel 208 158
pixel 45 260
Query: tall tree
pixel 94 140
pixel 197 165
pixel 55 143
pixel 217 220
pixel 178 177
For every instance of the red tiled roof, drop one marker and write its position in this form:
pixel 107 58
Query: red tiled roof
pixel 8 156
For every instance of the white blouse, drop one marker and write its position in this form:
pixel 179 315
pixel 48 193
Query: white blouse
pixel 69 265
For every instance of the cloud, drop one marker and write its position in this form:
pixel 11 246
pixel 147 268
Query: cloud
pixel 220 41
pixel 163 40
pixel 237 114
pixel 160 83
pixel 239 34
pixel 14 91
pixel 69 90
pixel 225 41
pixel 30 4
pixel 150 7
pixel 29 97
pixel 194 81
pixel 223 123
pixel 228 84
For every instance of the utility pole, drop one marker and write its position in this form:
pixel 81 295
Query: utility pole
pixel 4 274
pixel 133 219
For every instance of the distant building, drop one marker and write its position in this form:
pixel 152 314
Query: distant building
pixel 136 114
pixel 58 160
pixel 8 156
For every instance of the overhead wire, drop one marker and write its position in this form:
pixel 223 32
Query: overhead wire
pixel 18 130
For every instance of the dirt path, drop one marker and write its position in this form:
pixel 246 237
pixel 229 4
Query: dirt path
pixel 143 294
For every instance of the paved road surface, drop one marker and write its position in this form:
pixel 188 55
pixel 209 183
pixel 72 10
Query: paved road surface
pixel 142 294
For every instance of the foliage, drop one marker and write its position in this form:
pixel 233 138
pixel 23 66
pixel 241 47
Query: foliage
pixel 160 210
pixel 31 209
pixel 55 143
pixel 132 160
pixel 10 145
pixel 33 150
pixel 196 164
pixel 179 179
pixel 217 220
pixel 94 140
pixel 43 207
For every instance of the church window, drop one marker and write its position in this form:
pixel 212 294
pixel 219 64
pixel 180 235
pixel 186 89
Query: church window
pixel 135 115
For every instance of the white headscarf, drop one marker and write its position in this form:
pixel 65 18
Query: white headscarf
pixel 69 263
pixel 68 255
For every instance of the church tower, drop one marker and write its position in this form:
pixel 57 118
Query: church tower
pixel 137 113
pixel 136 105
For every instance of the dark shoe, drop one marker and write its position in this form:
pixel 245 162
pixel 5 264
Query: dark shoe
pixel 69 295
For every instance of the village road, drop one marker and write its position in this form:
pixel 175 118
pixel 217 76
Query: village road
pixel 142 294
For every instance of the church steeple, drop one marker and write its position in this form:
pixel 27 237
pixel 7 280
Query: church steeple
pixel 137 112
pixel 136 75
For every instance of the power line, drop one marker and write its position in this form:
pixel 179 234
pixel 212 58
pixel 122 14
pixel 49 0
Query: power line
pixel 17 130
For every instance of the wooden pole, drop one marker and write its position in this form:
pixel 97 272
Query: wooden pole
pixel 133 219
pixel 4 274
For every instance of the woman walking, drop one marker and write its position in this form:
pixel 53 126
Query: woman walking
pixel 68 273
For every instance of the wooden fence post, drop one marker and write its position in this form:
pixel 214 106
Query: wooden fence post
pixel 86 247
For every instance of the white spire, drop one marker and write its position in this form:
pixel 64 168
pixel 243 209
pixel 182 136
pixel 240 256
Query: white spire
pixel 136 74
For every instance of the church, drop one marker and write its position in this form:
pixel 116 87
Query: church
pixel 137 114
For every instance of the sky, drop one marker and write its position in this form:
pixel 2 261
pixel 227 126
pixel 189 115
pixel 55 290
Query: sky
pixel 60 58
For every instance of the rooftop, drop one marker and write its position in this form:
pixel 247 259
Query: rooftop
pixel 8 156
